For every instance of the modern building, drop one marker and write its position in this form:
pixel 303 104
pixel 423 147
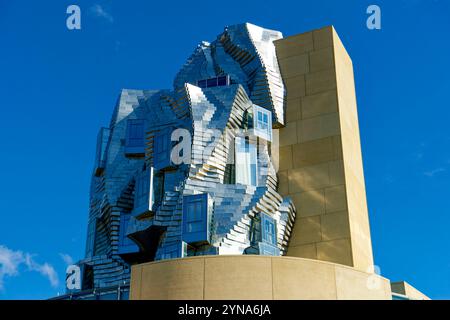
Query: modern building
pixel 243 181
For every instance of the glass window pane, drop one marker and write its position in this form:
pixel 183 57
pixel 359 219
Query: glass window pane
pixel 245 162
pixel 262 122
pixel 198 211
pixel 190 213
pixel 259 116
pixel 195 218
pixel 211 82
pixel 268 230
pixel 222 81
pixel 135 133
pixel 202 83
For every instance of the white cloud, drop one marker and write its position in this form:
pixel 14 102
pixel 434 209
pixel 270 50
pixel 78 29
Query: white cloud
pixel 99 11
pixel 68 260
pixel 11 261
pixel 45 269
pixel 433 172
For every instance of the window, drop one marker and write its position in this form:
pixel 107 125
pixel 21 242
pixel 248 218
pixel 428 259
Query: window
pixel 135 137
pixel 214 82
pixel 90 242
pixel 268 244
pixel 100 154
pixel 143 192
pixel 126 245
pixel 266 249
pixel 88 277
pixel 158 188
pixel 201 83
pixel 246 160
pixel 268 230
pixel 177 250
pixel 262 123
pixel 196 218
pixel 223 81
pixel 161 149
pixel 211 83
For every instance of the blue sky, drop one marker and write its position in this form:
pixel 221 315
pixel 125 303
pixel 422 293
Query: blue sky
pixel 58 87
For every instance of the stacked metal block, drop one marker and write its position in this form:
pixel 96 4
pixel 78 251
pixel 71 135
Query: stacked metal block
pixel 214 115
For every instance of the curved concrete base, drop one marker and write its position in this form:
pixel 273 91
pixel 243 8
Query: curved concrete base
pixel 253 277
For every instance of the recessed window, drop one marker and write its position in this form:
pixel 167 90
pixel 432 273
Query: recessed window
pixel 266 249
pixel 135 137
pixel 211 83
pixel 161 149
pixel 268 230
pixel 246 160
pixel 214 82
pixel 143 192
pixel 100 154
pixel 90 242
pixel 201 83
pixel 262 123
pixel 196 218
pixel 223 81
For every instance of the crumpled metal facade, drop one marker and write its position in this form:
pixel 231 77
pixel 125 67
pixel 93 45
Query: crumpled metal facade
pixel 214 114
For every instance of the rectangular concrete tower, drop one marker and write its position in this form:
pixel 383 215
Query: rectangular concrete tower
pixel 320 154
